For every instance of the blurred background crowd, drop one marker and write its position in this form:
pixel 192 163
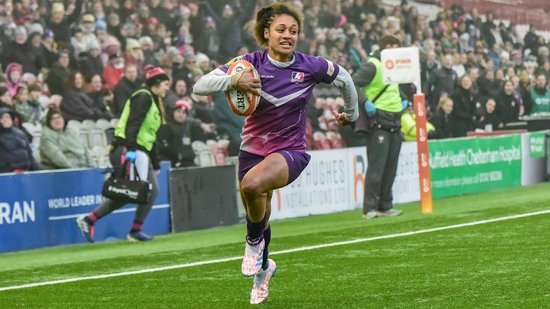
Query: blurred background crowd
pixel 68 68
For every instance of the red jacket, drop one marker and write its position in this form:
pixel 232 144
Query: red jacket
pixel 111 76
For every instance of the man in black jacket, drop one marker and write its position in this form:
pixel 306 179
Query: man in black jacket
pixel 125 87
pixel 442 81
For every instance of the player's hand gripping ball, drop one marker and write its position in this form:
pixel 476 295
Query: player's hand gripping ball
pixel 242 104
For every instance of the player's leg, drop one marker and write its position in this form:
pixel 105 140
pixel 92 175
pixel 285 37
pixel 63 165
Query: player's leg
pixel 260 287
pixel 268 174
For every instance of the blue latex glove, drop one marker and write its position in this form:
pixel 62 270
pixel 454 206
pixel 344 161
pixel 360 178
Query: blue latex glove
pixel 405 103
pixel 131 156
pixel 370 108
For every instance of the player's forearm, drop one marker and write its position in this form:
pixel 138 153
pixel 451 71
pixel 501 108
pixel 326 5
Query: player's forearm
pixel 344 82
pixel 215 81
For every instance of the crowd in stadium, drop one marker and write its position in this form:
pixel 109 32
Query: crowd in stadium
pixel 77 61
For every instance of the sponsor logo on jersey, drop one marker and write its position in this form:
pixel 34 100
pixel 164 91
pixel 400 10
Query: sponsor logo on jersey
pixel 297 77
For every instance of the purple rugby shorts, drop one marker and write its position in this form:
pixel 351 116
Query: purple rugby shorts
pixel 296 161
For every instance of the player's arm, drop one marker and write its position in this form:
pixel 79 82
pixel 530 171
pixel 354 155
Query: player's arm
pixel 344 82
pixel 215 81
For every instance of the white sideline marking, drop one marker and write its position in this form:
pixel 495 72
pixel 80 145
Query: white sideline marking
pixel 341 243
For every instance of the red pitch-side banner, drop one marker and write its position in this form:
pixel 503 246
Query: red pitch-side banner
pixel 423 159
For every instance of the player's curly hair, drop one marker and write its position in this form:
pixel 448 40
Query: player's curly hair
pixel 265 17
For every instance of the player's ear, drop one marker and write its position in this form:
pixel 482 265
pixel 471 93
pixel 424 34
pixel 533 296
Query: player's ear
pixel 266 33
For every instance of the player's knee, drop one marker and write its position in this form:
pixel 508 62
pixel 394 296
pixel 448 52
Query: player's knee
pixel 251 187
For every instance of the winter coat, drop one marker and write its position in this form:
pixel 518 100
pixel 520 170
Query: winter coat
pixel 63 149
pixel 78 106
pixel 464 111
pixel 174 140
pixel 15 151
pixel 122 92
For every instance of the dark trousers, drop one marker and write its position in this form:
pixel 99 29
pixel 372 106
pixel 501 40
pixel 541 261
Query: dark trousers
pixel 383 147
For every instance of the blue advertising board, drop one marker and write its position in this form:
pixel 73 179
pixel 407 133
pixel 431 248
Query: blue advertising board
pixel 39 209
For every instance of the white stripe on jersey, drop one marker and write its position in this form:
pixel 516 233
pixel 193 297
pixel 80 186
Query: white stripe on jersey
pixel 278 102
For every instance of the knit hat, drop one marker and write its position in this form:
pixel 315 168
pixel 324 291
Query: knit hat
pixel 132 43
pixel 50 114
pixel 182 104
pixel 100 25
pixel 4 110
pixel 155 76
pixel 88 18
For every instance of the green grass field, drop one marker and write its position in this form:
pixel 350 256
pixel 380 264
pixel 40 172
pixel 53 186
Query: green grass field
pixel 411 261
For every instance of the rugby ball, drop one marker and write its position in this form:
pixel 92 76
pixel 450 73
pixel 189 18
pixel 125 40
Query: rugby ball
pixel 242 104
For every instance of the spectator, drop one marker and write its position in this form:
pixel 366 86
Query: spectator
pixel 441 82
pixel 209 40
pixel 201 108
pixel 125 87
pixel 229 25
pixel 509 107
pixel 90 62
pixel 147 47
pixel 428 66
pixel 177 92
pixel 464 107
pixel 101 98
pixel 15 150
pixel 6 99
pixel 29 112
pixel 134 55
pixel 175 137
pixel 228 124
pixel 531 39
pixel 12 77
pixel 113 72
pixel 57 77
pixel 61 147
pixel 491 121
pixel 408 125
pixel 22 52
pixel 485 84
pixel 60 21
pixel 48 49
pixel 36 97
pixel 77 105
pixel 443 119
pixel 185 72
pixel 539 96
pixel 88 26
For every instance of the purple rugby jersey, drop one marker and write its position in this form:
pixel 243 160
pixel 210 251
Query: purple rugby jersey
pixel 279 121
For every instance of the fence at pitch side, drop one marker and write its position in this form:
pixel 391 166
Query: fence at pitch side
pixel 39 209
pixel 334 179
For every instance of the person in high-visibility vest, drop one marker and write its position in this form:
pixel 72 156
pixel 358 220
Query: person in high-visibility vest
pixel 135 137
pixel 382 106
pixel 408 125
